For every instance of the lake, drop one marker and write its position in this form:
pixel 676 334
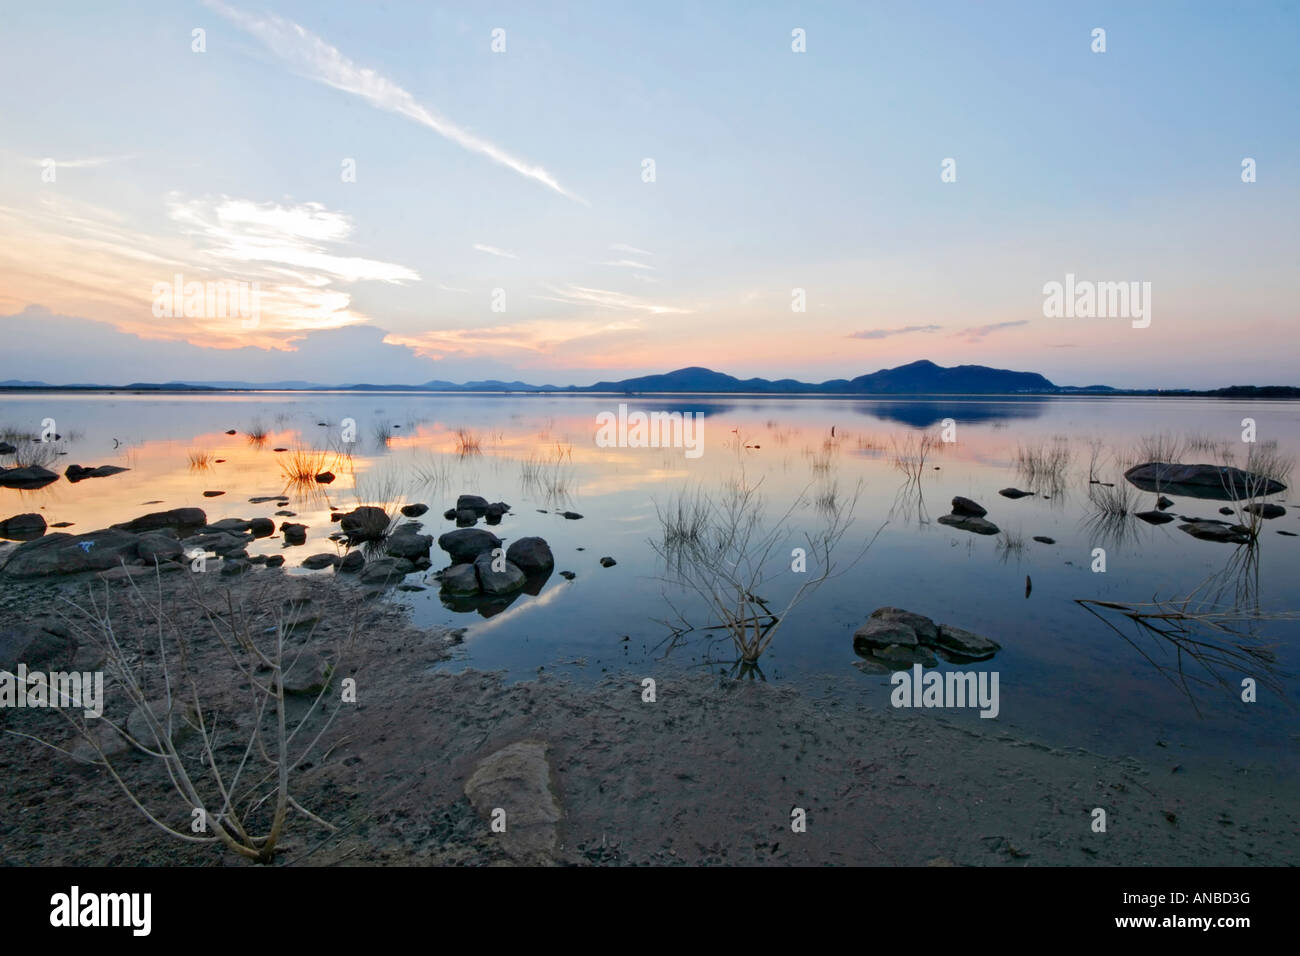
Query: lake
pixel 1069 675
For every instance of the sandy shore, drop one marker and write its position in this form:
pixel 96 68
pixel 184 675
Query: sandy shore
pixel 708 773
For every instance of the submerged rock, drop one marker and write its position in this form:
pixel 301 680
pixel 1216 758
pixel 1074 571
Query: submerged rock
pixel 1014 493
pixel 1208 530
pixel 414 511
pixel 32 476
pixel 473 503
pixel 876 634
pixel 1154 517
pixel 1265 509
pixel 607 562
pixel 966 643
pixel 1220 482
pixel 924 628
pixel 24 527
pixel 75 473
pixel 973 524
pixel 899 638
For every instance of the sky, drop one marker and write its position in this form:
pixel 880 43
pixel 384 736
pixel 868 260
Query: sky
pixel 457 192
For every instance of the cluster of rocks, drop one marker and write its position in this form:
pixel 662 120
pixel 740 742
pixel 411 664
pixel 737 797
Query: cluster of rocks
pixel 479 566
pixel 969 516
pixel 469 508
pixel 894 639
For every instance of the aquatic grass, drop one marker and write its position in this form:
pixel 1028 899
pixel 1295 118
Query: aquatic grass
pixel 1010 544
pixel 256 434
pixel 911 452
pixel 1043 464
pixel 548 474
pixel 200 459
pixel 36 454
pixel 1116 500
pixel 467 443
pixel 1163 447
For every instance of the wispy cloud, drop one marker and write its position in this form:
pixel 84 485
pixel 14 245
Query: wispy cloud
pixel 626 264
pixel 89 162
pixel 623 247
pixel 605 299
pixel 886 333
pixel 980 331
pixel 537 337
pixel 494 251
pixel 318 60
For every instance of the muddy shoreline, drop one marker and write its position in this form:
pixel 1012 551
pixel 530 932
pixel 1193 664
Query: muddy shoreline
pixel 709 773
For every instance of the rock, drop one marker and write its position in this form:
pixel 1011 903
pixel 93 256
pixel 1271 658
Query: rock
pixel 158 546
pixel 905 655
pixel 385 571
pixel 7 449
pixel 977 525
pixel 352 562
pixel 472 503
pixel 228 524
pixel 75 473
pixel 274 560
pixel 179 716
pixel 1208 530
pixel 130 572
pixel 1289 534
pixel 365 523
pixel 1163 503
pixel 876 634
pixel 568 575
pixel 232 432
pixel 107 741
pixel 460 579
pixel 466 544
pixel 294 533
pixel 571 515
pixel 1221 482
pixel 318 561
pixel 407 542
pixel 967 508
pixel 1011 493
pixel 305 674
pixel 61 553
pixel 300 612
pixel 1043 539
pixel 496 509
pixel 42 643
pixel 219 542
pixel 1154 517
pixel 261 527
pixel 262 499
pixel 286 514
pixel 325 477
pixel 607 562
pixel 213 494
pixel 176 518
pixel 414 511
pixel 24 527
pixel 1265 509
pixel 517 780
pixel 923 629
pixel 509 579
pixel 531 555
pixel 966 643
pixel 232 565
pixel 1225 511
pixel 466 518
pixel 32 476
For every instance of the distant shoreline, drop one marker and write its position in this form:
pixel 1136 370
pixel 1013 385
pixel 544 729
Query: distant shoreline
pixel 1238 392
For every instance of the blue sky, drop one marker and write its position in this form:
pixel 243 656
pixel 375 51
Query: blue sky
pixel 775 170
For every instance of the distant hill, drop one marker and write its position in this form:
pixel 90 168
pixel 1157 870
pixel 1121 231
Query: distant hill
pixel 917 378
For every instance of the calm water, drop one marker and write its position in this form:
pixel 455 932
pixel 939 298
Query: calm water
pixel 1065 674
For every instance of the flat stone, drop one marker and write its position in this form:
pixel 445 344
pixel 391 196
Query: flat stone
pixel 972 524
pixel 517 780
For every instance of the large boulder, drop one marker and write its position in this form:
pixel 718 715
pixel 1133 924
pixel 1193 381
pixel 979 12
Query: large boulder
pixel 61 553
pixel 466 544
pixel 926 630
pixel 175 518
pixel 531 555
pixel 517 779
pixel 407 542
pixel 366 523
pixel 492 581
pixel 1217 482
